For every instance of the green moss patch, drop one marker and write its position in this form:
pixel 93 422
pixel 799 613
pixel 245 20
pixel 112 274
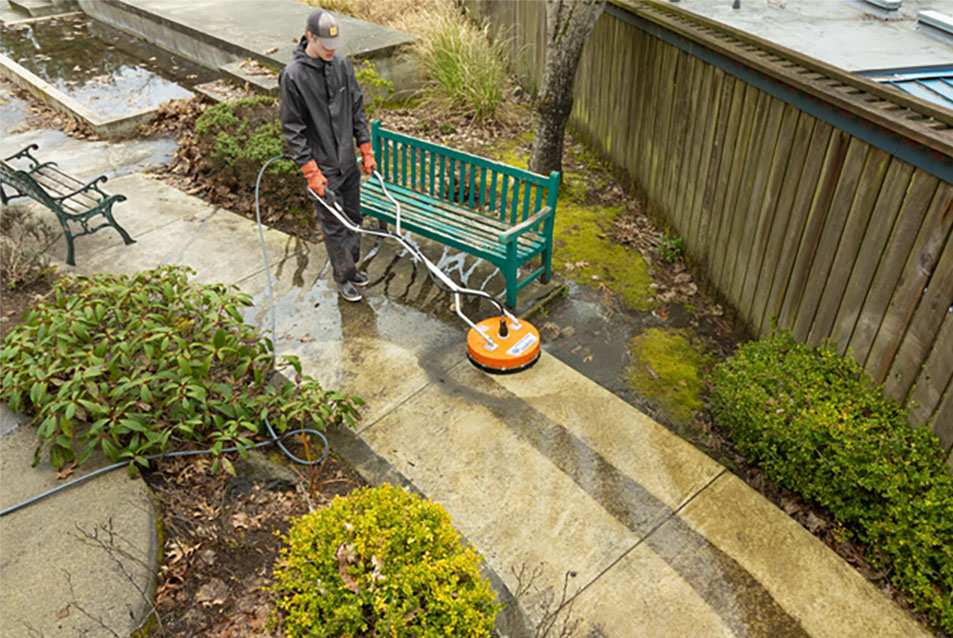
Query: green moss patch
pixel 585 253
pixel 667 369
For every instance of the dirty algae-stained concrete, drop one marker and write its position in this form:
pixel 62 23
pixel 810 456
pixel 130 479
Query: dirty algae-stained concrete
pixel 548 474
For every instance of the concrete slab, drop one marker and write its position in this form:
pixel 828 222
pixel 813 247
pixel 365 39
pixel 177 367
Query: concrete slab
pixel 643 596
pixel 462 442
pixel 71 566
pixel 663 464
pixel 201 32
pixel 811 583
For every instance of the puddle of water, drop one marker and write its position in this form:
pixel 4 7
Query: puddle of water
pixel 102 68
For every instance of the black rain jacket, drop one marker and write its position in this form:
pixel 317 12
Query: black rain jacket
pixel 322 111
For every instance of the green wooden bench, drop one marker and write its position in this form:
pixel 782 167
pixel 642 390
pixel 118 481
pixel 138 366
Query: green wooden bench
pixel 490 210
pixel 76 203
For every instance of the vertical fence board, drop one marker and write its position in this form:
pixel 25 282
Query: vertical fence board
pixel 764 145
pixel 830 231
pixel 776 169
pixel 911 300
pixel 752 113
pixel 916 272
pixel 886 211
pixel 681 121
pixel 686 173
pixel 736 202
pixel 846 251
pixel 822 196
pixel 778 239
pixel 821 135
pixel 708 218
pixel 647 144
pixel 935 376
pixel 697 168
pixel 921 191
pixel 664 96
pixel 720 210
pixel 942 424
pixel 639 78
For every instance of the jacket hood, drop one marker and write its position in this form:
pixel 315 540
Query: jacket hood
pixel 302 56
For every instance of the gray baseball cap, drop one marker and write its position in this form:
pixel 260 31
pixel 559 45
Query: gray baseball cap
pixel 324 25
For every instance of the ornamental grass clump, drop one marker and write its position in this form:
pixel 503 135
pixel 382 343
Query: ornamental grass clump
pixel 380 562
pixel 816 424
pixel 131 365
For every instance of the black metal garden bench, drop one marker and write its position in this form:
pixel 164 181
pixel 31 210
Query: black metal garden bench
pixel 491 210
pixel 76 203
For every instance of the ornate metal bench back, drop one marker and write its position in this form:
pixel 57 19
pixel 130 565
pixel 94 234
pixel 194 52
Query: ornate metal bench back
pixel 26 185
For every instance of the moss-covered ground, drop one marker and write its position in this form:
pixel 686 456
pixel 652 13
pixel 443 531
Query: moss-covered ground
pixel 668 368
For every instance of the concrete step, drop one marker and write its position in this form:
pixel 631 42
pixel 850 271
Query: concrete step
pixel 43 8
pixel 221 38
pixel 261 78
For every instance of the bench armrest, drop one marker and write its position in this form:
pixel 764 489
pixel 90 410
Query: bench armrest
pixel 89 186
pixel 522 227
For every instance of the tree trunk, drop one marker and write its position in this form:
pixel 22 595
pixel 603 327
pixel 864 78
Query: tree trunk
pixel 568 25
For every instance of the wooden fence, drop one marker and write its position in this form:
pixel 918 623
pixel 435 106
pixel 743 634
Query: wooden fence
pixel 803 194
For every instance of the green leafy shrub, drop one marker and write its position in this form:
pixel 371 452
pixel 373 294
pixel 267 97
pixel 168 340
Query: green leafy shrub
pixel 374 88
pixel 817 425
pixel 460 63
pixel 381 562
pixel 128 364
pixel 235 140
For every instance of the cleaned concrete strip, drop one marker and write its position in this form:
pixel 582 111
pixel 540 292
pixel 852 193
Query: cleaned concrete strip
pixel 504 495
pixel 72 567
pixel 803 575
pixel 643 596
pixel 670 469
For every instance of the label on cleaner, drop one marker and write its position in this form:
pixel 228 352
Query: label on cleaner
pixel 521 346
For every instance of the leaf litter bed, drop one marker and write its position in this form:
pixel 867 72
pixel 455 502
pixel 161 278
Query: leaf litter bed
pixel 221 536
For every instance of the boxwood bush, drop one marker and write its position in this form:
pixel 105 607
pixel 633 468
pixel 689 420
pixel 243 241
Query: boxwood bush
pixel 130 364
pixel 380 562
pixel 816 424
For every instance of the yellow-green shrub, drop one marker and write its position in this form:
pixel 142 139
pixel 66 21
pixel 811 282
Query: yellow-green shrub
pixel 380 562
pixel 816 424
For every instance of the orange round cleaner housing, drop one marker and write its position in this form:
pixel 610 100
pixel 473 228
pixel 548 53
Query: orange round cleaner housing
pixel 517 350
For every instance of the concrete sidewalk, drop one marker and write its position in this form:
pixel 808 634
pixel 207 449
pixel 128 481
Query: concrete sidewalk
pixel 545 472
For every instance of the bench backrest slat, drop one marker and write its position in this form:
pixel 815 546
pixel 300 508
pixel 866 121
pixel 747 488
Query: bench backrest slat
pixel 475 182
pixel 24 183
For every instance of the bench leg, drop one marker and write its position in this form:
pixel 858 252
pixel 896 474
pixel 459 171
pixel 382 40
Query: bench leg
pixel 547 257
pixel 108 214
pixel 69 249
pixel 510 275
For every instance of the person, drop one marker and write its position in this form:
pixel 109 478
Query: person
pixel 322 116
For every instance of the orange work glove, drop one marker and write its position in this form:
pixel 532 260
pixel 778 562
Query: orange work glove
pixel 316 180
pixel 368 163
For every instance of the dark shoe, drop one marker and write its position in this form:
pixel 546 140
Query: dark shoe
pixel 360 279
pixel 349 292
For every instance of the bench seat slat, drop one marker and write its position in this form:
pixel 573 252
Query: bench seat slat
pixel 466 222
pixel 414 220
pixel 484 231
